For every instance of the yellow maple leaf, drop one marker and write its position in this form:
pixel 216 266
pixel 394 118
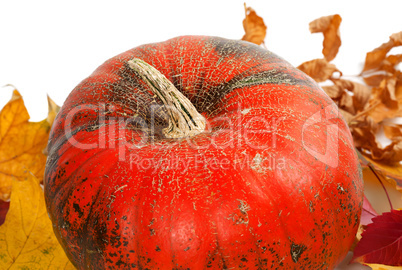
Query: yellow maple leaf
pixel 53 110
pixel 27 240
pixel 21 143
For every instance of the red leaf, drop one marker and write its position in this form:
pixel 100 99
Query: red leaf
pixel 381 242
pixel 368 212
pixel 3 210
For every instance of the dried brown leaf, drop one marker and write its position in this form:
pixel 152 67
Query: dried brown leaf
pixel 390 154
pixel 396 38
pixel 329 26
pixel 393 152
pixel 378 65
pixel 387 94
pixel 393 60
pixel 351 98
pixel 361 93
pixel 334 91
pixel 319 69
pixel 393 131
pixel 384 70
pixel 254 27
pixel 375 78
pixel 366 141
pixel 364 137
pixel 347 116
pixel 379 112
pixel 376 56
pixel 346 103
pixel 383 102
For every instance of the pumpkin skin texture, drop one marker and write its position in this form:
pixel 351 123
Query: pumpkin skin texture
pixel 272 183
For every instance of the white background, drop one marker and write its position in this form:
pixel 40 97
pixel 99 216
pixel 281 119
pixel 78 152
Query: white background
pixel 48 47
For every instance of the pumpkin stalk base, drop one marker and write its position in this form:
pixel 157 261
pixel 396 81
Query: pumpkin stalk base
pixel 184 119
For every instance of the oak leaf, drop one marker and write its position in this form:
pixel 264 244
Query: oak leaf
pixel 329 26
pixel 254 26
pixel 21 144
pixel 27 240
pixel 381 240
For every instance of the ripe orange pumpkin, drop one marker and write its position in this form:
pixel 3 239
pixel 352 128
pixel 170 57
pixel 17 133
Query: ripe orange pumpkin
pixel 202 152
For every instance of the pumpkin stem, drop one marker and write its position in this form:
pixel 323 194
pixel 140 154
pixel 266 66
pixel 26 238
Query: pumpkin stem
pixel 184 119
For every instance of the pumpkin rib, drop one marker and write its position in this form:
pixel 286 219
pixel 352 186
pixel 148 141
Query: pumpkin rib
pixel 260 265
pixel 57 190
pixel 87 241
pixel 338 230
pixel 141 201
pixel 218 248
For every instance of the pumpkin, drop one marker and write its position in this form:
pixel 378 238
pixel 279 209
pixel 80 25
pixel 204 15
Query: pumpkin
pixel 202 152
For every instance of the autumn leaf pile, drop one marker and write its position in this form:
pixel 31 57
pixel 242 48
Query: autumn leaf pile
pixel 370 104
